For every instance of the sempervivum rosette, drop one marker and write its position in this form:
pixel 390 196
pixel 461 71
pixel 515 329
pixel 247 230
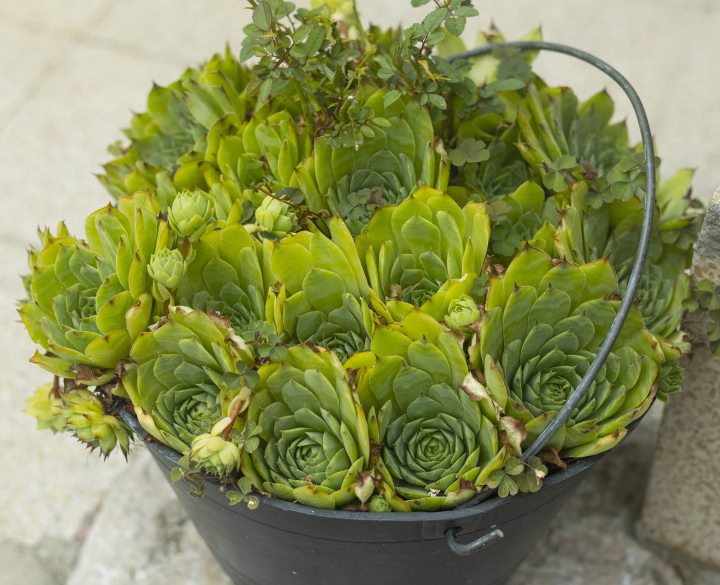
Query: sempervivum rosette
pixel 425 252
pixel 542 327
pixel 585 234
pixel 434 447
pixel 80 412
pixel 89 300
pixel 187 374
pixel 225 275
pixel 322 298
pixel 399 157
pixel 314 444
pixel 204 132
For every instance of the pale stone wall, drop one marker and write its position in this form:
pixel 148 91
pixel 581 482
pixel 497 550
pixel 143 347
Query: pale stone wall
pixel 682 506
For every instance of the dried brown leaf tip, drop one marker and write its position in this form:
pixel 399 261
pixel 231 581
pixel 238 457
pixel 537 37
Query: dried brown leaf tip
pixel 550 456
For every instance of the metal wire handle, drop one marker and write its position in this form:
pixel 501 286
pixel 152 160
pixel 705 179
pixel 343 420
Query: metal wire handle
pixel 475 546
pixel 616 327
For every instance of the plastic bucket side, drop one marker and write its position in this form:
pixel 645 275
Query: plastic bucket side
pixel 284 542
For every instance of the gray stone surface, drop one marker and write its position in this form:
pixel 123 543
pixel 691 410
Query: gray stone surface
pixel 142 536
pixel 707 248
pixel 594 550
pixel 682 506
pixel 21 565
pixel 591 542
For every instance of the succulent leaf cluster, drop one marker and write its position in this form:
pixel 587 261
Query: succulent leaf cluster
pixel 541 330
pixel 356 275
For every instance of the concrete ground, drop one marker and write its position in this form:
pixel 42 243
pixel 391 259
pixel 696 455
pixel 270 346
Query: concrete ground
pixel 71 71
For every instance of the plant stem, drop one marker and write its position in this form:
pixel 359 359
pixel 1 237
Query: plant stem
pixel 56 388
pixel 267 192
pixel 233 418
pixel 449 120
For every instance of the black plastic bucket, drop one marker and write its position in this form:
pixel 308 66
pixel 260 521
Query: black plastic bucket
pixel 284 543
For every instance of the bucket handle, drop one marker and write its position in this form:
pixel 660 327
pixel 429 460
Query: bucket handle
pixel 475 546
pixel 564 414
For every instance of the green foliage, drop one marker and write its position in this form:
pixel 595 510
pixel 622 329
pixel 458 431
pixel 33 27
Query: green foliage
pixel 518 476
pixel 191 473
pixel 704 304
pixel 244 494
pixel 468 150
pixel 358 276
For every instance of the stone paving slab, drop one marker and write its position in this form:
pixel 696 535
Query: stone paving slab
pixel 61 17
pixel 23 69
pixel 51 149
pixel 48 152
pixel 143 537
pixel 51 485
pixel 199 28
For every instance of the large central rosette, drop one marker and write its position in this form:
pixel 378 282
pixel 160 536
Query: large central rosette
pixel 314 444
pixel 322 298
pixel 425 251
pixel 543 324
pixel 433 446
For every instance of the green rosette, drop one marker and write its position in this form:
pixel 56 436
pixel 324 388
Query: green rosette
pixel 187 373
pixel 89 300
pixel 542 327
pixel 402 155
pixel 314 444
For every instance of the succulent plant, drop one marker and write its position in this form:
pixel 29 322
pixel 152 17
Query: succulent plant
pixel 46 406
pixel 89 300
pixel 401 156
pixel 189 372
pixel 669 380
pixel 554 124
pixel 226 274
pixel 518 218
pixel 425 252
pixel 275 216
pixel 314 441
pixel 166 268
pixel 586 233
pixel 379 504
pixel 89 422
pixel 438 448
pixel 324 290
pixel 213 452
pixel 462 313
pixel 542 327
pixel 354 277
pixel 204 132
pixel 190 214
pixel 174 123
